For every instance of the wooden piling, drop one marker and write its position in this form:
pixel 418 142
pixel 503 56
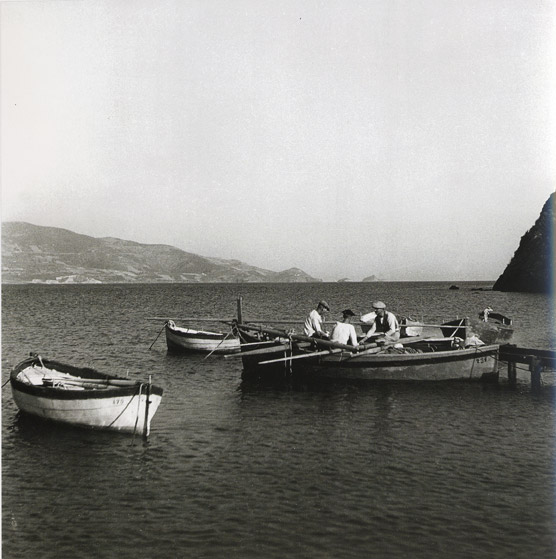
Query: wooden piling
pixel 535 367
pixel 512 373
pixel 239 310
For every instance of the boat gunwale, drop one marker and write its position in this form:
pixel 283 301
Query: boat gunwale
pixel 378 360
pixel 200 334
pixel 55 393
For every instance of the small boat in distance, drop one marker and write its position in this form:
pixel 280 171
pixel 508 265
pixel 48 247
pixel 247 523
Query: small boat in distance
pixel 82 396
pixel 180 339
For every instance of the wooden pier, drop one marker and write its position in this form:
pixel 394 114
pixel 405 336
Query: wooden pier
pixel 538 360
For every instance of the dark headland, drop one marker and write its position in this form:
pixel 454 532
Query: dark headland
pixel 531 267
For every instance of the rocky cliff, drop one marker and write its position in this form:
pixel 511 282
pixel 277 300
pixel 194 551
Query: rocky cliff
pixel 530 269
pixel 35 254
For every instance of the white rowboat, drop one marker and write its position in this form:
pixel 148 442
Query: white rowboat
pixel 201 341
pixel 83 396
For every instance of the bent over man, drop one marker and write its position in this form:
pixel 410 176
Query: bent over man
pixel 382 322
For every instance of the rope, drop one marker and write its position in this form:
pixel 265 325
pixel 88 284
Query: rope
pixel 130 400
pixel 137 418
pixel 164 326
pixel 290 368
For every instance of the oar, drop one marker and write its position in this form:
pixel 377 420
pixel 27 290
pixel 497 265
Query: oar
pixel 287 321
pixel 403 341
pixel 272 349
pixel 302 356
pixel 102 381
pixel 458 326
pixel 159 334
pixel 191 319
pixel 298 337
pixel 223 340
pixel 259 343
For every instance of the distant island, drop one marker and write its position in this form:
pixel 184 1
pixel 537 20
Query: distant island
pixel 37 254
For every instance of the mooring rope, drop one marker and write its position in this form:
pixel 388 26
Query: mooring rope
pixel 127 406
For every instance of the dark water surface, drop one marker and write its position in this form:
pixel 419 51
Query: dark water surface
pixel 390 470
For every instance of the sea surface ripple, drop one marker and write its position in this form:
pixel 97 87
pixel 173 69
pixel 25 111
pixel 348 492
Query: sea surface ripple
pixel 340 471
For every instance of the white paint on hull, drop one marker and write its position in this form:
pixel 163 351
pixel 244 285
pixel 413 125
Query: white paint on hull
pixel 178 337
pixel 120 413
pixel 469 364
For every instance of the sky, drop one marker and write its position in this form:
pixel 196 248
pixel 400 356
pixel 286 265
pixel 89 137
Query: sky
pixel 412 140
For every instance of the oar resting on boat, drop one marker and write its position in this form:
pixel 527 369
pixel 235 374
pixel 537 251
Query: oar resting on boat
pixel 297 337
pixel 85 381
pixel 302 356
pixel 273 349
pixel 366 350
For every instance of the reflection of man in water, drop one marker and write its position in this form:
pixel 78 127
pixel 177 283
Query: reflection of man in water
pixel 344 332
pixel 382 322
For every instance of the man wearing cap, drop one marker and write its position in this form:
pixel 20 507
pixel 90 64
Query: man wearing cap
pixel 382 322
pixel 313 323
pixel 344 332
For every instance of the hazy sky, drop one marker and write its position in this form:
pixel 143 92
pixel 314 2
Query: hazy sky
pixel 409 139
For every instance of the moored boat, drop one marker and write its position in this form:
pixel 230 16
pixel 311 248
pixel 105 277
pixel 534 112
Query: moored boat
pixel 412 359
pixel 180 339
pixel 83 396
pixel 489 327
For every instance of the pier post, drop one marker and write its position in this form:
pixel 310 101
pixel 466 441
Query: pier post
pixel 239 310
pixel 147 402
pixel 512 373
pixel 535 367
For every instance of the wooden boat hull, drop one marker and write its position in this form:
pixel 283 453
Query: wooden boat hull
pixel 477 363
pixel 121 406
pixel 188 340
pixel 432 364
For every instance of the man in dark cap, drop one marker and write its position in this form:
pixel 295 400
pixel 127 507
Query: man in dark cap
pixel 383 322
pixel 343 331
pixel 313 323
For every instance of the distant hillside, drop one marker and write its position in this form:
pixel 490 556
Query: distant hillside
pixel 32 253
pixel 530 269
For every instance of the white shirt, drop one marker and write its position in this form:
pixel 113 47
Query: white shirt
pixel 344 332
pixel 313 323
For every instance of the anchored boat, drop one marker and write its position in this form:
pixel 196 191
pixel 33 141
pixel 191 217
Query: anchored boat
pixel 83 396
pixel 490 327
pixel 281 355
pixel 189 340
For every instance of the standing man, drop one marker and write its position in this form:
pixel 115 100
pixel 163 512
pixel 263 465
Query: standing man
pixel 382 322
pixel 313 323
pixel 344 332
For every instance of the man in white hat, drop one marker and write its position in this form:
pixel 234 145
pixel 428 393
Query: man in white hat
pixel 313 323
pixel 383 322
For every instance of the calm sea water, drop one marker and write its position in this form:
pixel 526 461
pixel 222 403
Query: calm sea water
pixel 396 470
